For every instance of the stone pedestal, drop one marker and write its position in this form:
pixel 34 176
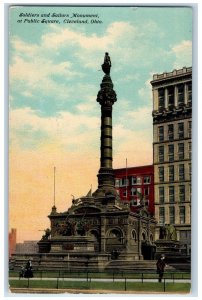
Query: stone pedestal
pixel 72 243
pixel 170 248
pixel 44 246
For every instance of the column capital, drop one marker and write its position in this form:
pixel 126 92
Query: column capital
pixel 106 96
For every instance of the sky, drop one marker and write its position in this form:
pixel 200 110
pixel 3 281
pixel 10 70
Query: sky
pixel 54 77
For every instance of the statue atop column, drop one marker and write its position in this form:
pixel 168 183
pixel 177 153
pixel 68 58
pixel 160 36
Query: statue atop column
pixel 106 97
pixel 106 66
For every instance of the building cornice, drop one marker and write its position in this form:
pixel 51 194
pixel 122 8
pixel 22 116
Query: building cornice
pixel 168 78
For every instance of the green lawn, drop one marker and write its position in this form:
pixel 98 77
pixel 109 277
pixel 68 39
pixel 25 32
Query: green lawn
pixel 119 286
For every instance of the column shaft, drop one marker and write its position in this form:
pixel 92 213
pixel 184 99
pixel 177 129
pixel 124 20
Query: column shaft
pixel 106 138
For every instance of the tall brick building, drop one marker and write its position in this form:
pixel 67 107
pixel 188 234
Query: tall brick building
pixel 12 241
pixel 172 144
pixel 136 182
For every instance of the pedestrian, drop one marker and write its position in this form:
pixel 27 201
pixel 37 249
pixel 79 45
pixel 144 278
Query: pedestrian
pixel 28 270
pixel 160 267
pixel 22 272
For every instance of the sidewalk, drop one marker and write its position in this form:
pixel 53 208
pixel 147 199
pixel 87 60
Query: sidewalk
pixel 73 291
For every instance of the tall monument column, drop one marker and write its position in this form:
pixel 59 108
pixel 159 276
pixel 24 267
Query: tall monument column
pixel 106 97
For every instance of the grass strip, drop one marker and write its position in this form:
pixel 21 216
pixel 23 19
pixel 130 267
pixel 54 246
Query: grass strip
pixel 116 286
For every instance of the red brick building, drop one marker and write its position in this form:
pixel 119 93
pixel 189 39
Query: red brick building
pixel 12 241
pixel 140 184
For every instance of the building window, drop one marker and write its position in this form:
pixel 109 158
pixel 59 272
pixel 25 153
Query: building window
pixel 172 214
pixel 171 194
pixel 171 153
pixel 170 97
pixel 147 179
pixel 170 132
pixel 161 133
pixel 171 173
pixel 161 215
pixel 161 195
pixel 123 182
pixel 182 214
pixel 190 192
pixel 181 151
pixel 161 154
pixel 189 149
pixel 116 182
pixel 181 172
pixel 182 193
pixel 146 202
pixel 161 99
pixel 161 174
pixel 189 128
pixel 180 94
pixel 136 180
pixel 135 202
pixel 146 191
pixel 190 171
pixel 181 130
pixel 189 90
pixel 125 193
pixel 135 191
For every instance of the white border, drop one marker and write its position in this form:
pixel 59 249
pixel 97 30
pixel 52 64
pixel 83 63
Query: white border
pixel 197 149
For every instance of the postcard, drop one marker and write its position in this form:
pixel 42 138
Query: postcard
pixel 100 147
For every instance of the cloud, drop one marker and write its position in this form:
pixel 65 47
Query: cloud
pixel 60 37
pixel 48 74
pixel 183 54
pixel 129 78
pixel 27 94
pixel 140 118
pixel 23 48
pixel 39 70
pixel 145 92
pixel 135 145
pixel 66 130
pixel 34 72
pixel 90 106
pixel 119 37
pixel 41 82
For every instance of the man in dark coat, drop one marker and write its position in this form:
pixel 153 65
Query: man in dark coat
pixel 160 267
pixel 28 270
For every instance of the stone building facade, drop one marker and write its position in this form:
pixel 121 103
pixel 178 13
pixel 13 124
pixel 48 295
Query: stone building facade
pixel 172 144
pixel 27 247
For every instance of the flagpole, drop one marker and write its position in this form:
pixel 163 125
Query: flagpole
pixel 126 181
pixel 54 187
